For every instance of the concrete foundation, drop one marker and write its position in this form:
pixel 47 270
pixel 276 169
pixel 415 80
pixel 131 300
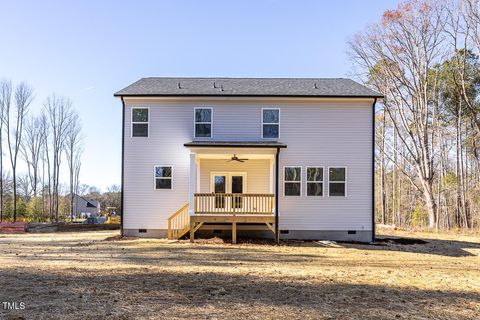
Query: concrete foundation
pixel 335 235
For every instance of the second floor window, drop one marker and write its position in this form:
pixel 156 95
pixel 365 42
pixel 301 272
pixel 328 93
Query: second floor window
pixel 140 122
pixel 270 123
pixel 203 122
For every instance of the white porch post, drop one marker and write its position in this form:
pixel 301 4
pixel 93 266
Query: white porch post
pixel 272 176
pixel 193 183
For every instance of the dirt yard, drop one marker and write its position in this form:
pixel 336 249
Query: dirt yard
pixel 82 276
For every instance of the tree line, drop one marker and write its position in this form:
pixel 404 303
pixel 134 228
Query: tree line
pixel 424 57
pixel 45 142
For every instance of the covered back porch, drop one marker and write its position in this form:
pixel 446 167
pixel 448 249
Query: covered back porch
pixel 233 185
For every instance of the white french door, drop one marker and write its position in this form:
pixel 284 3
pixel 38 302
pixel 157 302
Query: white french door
pixel 228 182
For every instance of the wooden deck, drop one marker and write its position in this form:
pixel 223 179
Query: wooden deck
pixel 234 208
pixel 214 210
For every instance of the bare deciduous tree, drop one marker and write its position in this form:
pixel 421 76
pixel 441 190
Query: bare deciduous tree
pixel 31 149
pixel 58 111
pixel 399 55
pixel 5 101
pixel 73 153
pixel 14 122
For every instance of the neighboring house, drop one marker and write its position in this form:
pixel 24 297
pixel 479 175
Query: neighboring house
pixel 290 156
pixel 84 207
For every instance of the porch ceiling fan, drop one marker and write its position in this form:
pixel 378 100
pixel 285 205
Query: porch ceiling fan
pixel 235 158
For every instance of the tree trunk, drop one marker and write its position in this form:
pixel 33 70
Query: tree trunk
pixel 14 175
pixel 431 204
pixel 382 172
pixel 1 176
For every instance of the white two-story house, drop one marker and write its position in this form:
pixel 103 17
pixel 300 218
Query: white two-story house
pixel 282 158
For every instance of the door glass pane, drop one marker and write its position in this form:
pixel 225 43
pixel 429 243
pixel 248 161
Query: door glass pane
pixel 220 184
pixel 237 184
pixel 237 187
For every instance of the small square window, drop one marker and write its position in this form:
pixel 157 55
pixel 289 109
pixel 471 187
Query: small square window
pixel 163 177
pixel 270 123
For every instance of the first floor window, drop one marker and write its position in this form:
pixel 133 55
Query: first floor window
pixel 163 177
pixel 337 181
pixel 292 181
pixel 315 181
pixel 270 123
pixel 203 122
pixel 140 122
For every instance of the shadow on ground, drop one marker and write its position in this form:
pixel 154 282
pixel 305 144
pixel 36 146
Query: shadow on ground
pixel 203 295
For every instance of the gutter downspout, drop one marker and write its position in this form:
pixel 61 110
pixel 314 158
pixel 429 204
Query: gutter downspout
pixel 373 169
pixel 277 229
pixel 123 165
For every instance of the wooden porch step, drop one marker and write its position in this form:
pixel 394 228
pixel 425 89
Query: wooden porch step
pixel 179 223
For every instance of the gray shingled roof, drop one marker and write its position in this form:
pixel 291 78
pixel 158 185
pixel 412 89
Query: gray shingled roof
pixel 309 87
pixel 238 144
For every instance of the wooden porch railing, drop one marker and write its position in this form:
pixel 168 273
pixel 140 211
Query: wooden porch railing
pixel 233 203
pixel 179 223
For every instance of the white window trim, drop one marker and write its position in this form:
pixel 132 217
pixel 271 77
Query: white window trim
pixel 136 122
pixel 301 180
pixel 345 182
pixel 195 122
pixel 155 178
pixel 322 182
pixel 261 128
pixel 228 180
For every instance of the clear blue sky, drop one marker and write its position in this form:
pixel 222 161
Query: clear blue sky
pixel 87 50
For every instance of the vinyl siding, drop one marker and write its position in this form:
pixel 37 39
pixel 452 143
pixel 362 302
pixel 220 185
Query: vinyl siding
pixel 317 132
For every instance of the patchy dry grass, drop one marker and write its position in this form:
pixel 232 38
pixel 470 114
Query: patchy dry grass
pixel 82 276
